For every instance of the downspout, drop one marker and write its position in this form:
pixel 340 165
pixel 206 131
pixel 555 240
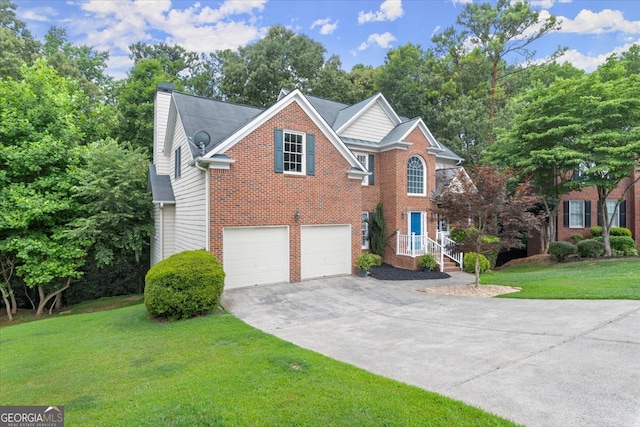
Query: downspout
pixel 161 231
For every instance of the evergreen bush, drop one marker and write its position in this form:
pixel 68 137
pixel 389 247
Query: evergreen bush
pixel 561 250
pixel 184 285
pixel 590 248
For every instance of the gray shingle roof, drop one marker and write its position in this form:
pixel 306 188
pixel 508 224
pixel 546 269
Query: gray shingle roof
pixel 161 189
pixel 219 119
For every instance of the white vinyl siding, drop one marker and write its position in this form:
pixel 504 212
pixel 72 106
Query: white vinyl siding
pixel 160 117
pixel 255 255
pixel 189 192
pixel 373 125
pixel 325 250
pixel 163 238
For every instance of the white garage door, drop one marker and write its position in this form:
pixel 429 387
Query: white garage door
pixel 255 255
pixel 326 250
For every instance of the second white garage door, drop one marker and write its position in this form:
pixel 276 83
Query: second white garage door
pixel 255 255
pixel 325 250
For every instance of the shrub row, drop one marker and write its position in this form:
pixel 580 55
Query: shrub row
pixel 593 248
pixel 615 231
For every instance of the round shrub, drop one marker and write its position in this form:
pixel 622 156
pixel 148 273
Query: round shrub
pixel 469 262
pixel 596 231
pixel 590 248
pixel 561 250
pixel 620 231
pixel 623 244
pixel 184 285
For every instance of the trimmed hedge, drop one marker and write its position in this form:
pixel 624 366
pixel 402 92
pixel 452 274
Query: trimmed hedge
pixel 561 250
pixel 469 262
pixel 590 248
pixel 620 231
pixel 624 245
pixel 184 285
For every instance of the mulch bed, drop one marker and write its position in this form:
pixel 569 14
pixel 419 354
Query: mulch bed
pixel 388 272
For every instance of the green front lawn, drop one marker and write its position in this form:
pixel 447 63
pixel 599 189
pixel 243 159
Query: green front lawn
pixel 588 279
pixel 119 368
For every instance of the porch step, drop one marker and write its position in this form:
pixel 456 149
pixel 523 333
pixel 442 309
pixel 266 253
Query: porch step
pixel 450 265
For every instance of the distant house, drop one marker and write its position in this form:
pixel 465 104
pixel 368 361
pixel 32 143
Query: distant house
pixel 283 194
pixel 579 211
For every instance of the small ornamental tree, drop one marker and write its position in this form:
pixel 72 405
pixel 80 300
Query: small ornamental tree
pixel 492 214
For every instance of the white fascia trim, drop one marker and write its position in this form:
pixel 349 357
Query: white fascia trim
pixel 213 163
pixel 379 98
pixel 357 174
pixel 293 96
pixel 435 146
pixel 158 202
pixel 397 145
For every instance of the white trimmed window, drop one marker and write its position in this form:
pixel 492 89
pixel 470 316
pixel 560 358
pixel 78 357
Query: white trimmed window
pixel 576 213
pixel 294 153
pixel 416 176
pixel 613 213
pixel 177 169
pixel 365 230
pixel 364 160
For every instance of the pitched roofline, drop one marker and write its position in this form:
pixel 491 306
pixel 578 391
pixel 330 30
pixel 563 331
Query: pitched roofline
pixel 379 97
pixel 303 102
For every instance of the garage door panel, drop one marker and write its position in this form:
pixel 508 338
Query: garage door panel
pixel 325 250
pixel 255 255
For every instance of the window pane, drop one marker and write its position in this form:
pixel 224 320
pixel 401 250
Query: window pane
pixel 576 213
pixel 293 152
pixel 415 176
pixel 611 212
pixel 365 230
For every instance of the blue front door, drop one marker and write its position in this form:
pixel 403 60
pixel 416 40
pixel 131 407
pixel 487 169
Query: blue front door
pixel 415 228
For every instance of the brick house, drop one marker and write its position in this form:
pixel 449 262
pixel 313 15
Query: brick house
pixel 579 210
pixel 282 194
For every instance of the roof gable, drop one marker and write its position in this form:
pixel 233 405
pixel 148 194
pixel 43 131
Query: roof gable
pixel 294 96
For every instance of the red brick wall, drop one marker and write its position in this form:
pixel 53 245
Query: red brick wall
pixel 590 193
pixel 394 194
pixel 252 194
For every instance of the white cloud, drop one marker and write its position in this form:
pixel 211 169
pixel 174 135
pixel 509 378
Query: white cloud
pixel 326 26
pixel 605 21
pixel 455 2
pixel 383 40
pixel 41 14
pixel 547 3
pixel 589 62
pixel 390 10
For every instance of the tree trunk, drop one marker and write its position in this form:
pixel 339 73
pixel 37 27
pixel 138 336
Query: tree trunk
pixel 606 229
pixel 8 267
pixel 6 303
pixel 45 299
pixel 477 270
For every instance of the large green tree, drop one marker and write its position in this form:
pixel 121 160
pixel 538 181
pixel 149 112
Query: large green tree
pixel 17 44
pixel 580 132
pixel 254 74
pixel 41 125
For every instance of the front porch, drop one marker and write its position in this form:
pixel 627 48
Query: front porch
pixel 414 245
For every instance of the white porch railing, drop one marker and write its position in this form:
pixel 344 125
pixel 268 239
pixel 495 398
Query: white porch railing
pixel 414 245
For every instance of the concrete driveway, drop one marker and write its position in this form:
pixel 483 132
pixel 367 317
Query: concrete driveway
pixel 538 363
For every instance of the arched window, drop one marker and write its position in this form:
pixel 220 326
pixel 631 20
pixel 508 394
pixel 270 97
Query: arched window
pixel 416 176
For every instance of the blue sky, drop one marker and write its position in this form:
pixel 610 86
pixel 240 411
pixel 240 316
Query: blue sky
pixel 357 31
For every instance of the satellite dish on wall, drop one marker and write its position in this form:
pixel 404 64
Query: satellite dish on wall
pixel 201 139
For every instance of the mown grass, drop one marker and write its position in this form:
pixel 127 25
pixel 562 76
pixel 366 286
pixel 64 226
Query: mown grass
pixel 120 368
pixel 588 279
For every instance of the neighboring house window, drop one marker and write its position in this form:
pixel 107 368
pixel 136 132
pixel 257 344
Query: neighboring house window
pixel 416 176
pixel 577 213
pixel 613 213
pixel 365 230
pixel 619 216
pixel 294 152
pixel 178 162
